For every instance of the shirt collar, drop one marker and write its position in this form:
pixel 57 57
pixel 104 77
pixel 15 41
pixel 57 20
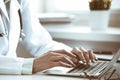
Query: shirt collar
pixel 3 8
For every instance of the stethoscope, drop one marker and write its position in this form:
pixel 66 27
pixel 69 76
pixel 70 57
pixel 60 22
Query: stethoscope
pixel 22 35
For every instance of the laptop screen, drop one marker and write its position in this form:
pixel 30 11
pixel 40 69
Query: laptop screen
pixel 115 57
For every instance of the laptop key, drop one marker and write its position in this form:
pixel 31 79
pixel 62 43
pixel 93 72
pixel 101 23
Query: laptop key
pixel 93 71
pixel 77 68
pixel 92 66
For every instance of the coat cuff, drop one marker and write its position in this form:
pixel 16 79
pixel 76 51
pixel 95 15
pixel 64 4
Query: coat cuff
pixel 27 66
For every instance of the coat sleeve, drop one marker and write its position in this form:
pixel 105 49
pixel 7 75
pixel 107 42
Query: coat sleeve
pixel 12 65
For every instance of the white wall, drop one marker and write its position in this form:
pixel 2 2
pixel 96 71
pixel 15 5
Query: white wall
pixel 37 5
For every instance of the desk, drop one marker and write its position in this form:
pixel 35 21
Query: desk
pixel 36 77
pixel 47 77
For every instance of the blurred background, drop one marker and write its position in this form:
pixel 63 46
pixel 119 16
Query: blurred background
pixel 79 8
pixel 68 21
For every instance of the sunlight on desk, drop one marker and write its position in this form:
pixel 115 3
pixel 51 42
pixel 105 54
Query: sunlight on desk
pixel 40 76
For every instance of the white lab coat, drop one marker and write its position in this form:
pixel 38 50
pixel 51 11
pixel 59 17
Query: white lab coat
pixel 37 40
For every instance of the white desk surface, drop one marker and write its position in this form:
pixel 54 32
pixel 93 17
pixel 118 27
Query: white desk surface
pixel 47 77
pixel 83 33
pixel 36 77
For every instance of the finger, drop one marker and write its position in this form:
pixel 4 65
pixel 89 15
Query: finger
pixel 91 55
pixel 86 55
pixel 68 54
pixel 95 58
pixel 75 60
pixel 63 58
pixel 83 49
pixel 62 64
pixel 79 54
pixel 63 51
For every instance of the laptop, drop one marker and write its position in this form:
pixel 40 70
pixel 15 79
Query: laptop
pixel 95 70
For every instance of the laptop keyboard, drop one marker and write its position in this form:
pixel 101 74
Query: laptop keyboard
pixel 93 69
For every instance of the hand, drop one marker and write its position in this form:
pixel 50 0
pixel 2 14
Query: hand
pixel 86 56
pixel 54 58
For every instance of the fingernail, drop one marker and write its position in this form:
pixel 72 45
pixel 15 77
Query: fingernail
pixel 96 59
pixel 93 61
pixel 88 63
pixel 81 62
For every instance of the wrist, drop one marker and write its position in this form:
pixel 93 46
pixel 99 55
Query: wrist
pixel 35 66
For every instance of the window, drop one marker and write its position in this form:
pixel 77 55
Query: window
pixel 73 5
pixel 66 5
pixel 79 8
